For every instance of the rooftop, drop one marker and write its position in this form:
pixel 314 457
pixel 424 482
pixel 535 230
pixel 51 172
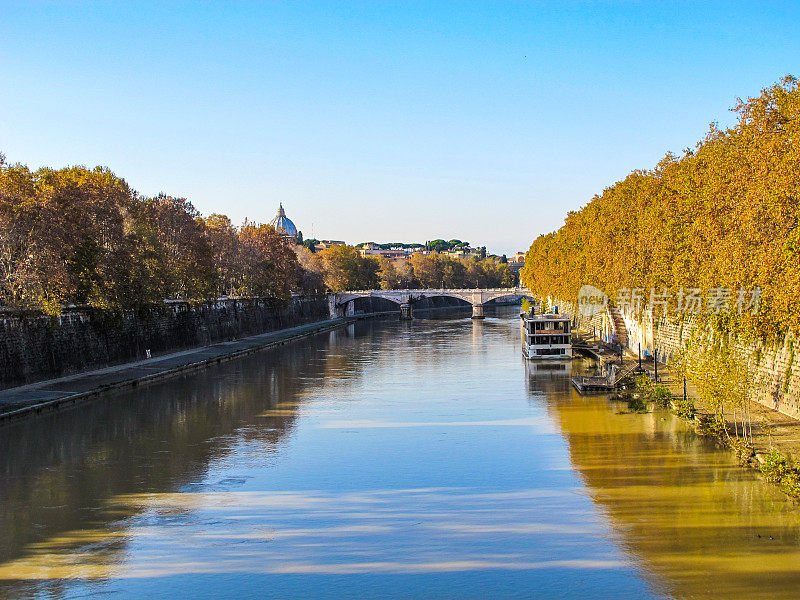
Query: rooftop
pixel 547 317
pixel 283 224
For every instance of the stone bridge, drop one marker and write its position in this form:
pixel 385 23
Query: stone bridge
pixel 342 304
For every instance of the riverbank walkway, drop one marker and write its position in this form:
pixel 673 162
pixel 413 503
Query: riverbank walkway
pixel 54 394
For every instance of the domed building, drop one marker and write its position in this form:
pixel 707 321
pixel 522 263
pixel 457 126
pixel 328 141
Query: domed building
pixel 283 224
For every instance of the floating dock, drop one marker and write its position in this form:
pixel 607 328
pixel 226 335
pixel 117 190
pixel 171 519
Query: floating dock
pixel 608 384
pixel 593 384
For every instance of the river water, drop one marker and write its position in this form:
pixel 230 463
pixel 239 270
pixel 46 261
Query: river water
pixel 386 459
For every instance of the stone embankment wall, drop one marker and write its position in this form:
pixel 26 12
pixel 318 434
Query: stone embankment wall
pixel 599 324
pixel 775 367
pixel 34 347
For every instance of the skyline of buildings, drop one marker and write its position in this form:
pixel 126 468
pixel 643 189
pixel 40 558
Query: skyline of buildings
pixel 286 227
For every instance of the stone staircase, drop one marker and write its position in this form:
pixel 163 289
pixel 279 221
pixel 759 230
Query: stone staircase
pixel 618 323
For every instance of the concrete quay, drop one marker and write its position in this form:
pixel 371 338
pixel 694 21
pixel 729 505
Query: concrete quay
pixel 55 394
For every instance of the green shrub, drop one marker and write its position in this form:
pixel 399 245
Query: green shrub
pixel 776 466
pixel 661 395
pixel 710 424
pixel 685 409
pixel 743 451
pixel 779 469
pixel 790 483
pixel 650 392
pixel 636 404
pixel 643 383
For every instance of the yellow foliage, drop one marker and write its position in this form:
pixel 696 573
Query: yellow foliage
pixel 723 215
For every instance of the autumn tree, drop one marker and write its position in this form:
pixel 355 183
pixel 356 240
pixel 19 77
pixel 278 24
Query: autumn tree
pixel 725 214
pixel 223 240
pixel 487 273
pixel 188 269
pixel 64 236
pixel 396 274
pixel 345 269
pixel 312 275
pixel 28 259
pixel 269 264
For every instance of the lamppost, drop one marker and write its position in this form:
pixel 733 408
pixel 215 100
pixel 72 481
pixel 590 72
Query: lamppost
pixel 655 362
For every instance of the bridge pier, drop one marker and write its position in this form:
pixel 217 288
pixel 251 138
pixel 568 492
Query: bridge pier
pixel 335 310
pixel 477 311
pixel 406 311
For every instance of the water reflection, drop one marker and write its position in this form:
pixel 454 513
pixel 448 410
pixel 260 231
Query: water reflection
pixel 545 378
pixel 60 471
pixel 701 525
pixel 385 460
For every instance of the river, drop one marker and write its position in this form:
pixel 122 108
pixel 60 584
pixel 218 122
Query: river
pixel 385 459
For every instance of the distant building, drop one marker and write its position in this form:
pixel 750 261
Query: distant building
pixel 394 253
pixel 369 249
pixel 517 262
pixel 324 244
pixel 283 224
pixel 461 252
pixel 373 249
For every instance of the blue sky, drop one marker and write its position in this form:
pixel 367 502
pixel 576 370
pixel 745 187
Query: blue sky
pixel 380 120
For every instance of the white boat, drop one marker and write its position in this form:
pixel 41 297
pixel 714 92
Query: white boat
pixel 546 336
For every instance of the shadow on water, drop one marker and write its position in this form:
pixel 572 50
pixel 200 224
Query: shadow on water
pixel 59 471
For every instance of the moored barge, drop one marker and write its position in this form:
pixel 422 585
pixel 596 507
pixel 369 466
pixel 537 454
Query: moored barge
pixel 546 336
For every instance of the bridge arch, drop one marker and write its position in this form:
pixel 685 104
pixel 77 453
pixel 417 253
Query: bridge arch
pixel 342 303
pixel 372 305
pixel 527 295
